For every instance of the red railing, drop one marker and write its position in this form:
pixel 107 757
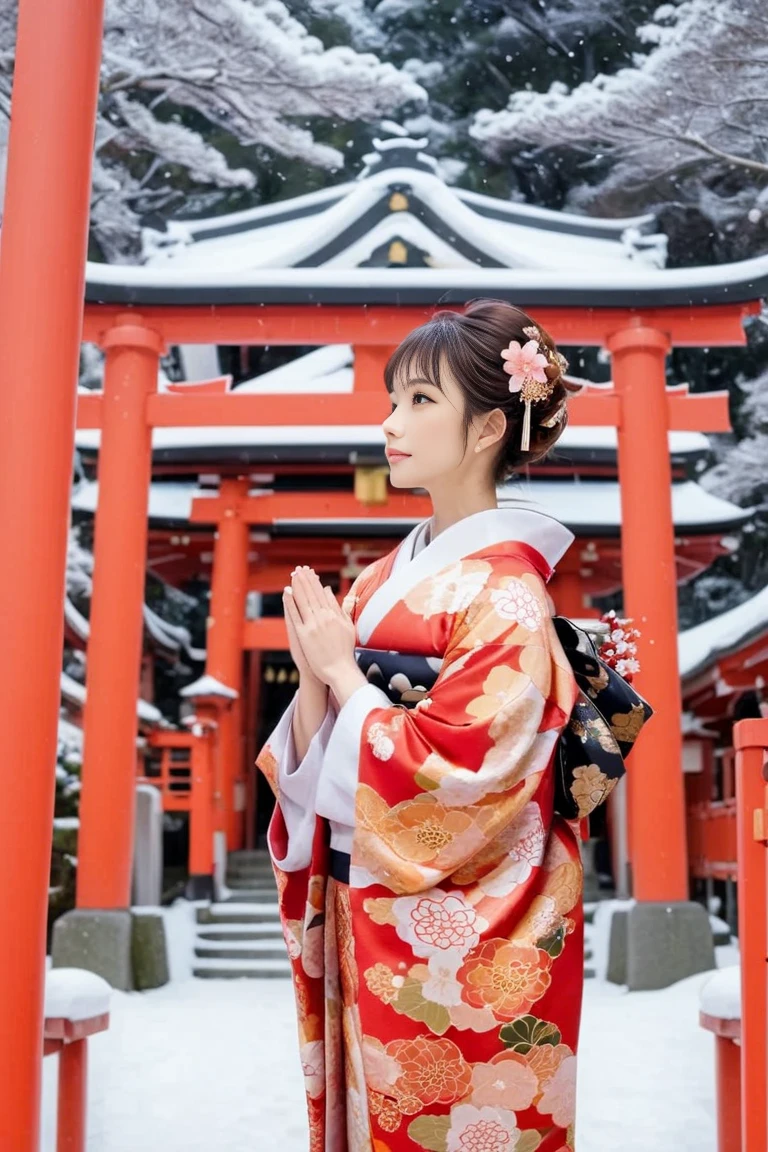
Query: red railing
pixel 712 840
pixel 180 766
pixel 751 744
pixel 76 1007
pixel 168 766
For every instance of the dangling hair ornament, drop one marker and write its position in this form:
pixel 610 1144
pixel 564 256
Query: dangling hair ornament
pixel 527 366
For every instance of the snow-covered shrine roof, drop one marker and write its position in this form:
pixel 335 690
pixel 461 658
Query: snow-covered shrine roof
pixel 631 285
pixel 356 444
pixel 400 200
pixel 700 647
pixel 400 235
pixel 587 507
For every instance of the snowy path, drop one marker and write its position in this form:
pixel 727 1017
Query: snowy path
pixel 212 1064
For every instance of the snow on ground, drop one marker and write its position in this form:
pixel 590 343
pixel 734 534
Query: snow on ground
pixel 213 1064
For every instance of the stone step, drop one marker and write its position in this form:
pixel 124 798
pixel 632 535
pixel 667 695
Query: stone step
pixel 250 896
pixel 241 949
pixel 242 969
pixel 269 930
pixel 237 863
pixel 250 859
pixel 235 913
pixel 251 880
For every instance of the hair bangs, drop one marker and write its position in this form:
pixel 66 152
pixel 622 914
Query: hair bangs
pixel 423 355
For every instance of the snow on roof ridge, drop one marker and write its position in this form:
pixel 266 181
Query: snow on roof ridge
pixel 699 647
pixel 619 223
pixel 629 277
pixel 185 228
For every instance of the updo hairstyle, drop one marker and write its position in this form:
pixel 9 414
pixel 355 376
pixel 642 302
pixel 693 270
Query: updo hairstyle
pixel 469 345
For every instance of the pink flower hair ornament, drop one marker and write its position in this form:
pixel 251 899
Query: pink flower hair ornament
pixel 527 367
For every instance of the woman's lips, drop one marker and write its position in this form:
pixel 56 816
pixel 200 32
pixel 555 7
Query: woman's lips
pixel 393 457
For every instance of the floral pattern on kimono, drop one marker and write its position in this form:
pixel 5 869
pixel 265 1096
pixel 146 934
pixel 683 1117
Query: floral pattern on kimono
pixel 454 989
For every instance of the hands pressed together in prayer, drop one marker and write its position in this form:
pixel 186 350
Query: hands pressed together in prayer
pixel 321 635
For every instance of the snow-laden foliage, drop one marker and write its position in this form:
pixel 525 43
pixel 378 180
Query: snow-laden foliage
pixel 742 474
pixel 79 567
pixel 183 83
pixel 695 96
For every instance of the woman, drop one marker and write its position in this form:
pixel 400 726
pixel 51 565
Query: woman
pixel 430 897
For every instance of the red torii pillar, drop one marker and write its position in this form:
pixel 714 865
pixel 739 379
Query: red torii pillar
pixel 657 792
pixel 105 842
pixel 668 938
pixel 42 273
pixel 224 651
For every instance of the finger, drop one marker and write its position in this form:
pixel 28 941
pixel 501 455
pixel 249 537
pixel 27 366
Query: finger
pixel 331 599
pixel 300 592
pixel 291 608
pixel 309 581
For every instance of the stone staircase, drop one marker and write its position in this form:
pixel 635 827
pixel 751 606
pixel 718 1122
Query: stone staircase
pixel 240 936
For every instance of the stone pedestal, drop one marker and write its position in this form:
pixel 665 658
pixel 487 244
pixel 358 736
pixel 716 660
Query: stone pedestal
pixel 127 950
pixel 667 943
pixel 647 946
pixel 148 847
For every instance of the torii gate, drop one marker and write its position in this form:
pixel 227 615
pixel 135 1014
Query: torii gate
pixel 639 405
pixel 41 291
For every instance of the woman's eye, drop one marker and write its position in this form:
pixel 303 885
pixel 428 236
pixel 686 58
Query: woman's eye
pixel 420 396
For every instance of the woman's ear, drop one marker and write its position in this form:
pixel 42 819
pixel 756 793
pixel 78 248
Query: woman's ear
pixel 492 430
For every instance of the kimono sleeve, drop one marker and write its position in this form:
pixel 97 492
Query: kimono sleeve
pixel 435 786
pixel 294 782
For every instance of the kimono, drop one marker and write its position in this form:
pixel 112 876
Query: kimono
pixel 439 989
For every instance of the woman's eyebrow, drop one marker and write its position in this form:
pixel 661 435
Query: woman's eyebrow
pixel 413 380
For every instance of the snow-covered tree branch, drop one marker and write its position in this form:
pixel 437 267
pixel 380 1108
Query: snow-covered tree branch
pixel 181 78
pixel 742 473
pixel 696 96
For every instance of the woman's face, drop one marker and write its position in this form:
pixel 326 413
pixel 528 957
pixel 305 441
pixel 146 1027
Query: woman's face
pixel 425 437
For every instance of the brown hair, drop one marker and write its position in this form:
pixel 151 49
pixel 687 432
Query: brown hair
pixel 469 344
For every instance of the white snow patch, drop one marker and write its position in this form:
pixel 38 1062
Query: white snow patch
pixel 721 994
pixel 67 823
pixel 209 686
pixel 73 994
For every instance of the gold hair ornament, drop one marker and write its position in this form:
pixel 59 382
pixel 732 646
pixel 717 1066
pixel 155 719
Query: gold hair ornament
pixel 527 366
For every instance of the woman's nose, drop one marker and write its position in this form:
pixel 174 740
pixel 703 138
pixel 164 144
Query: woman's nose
pixel 392 425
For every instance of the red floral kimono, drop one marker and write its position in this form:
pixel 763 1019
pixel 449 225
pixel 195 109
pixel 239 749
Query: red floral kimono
pixel 439 992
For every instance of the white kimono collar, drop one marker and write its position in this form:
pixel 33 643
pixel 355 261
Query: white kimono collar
pixel 472 534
